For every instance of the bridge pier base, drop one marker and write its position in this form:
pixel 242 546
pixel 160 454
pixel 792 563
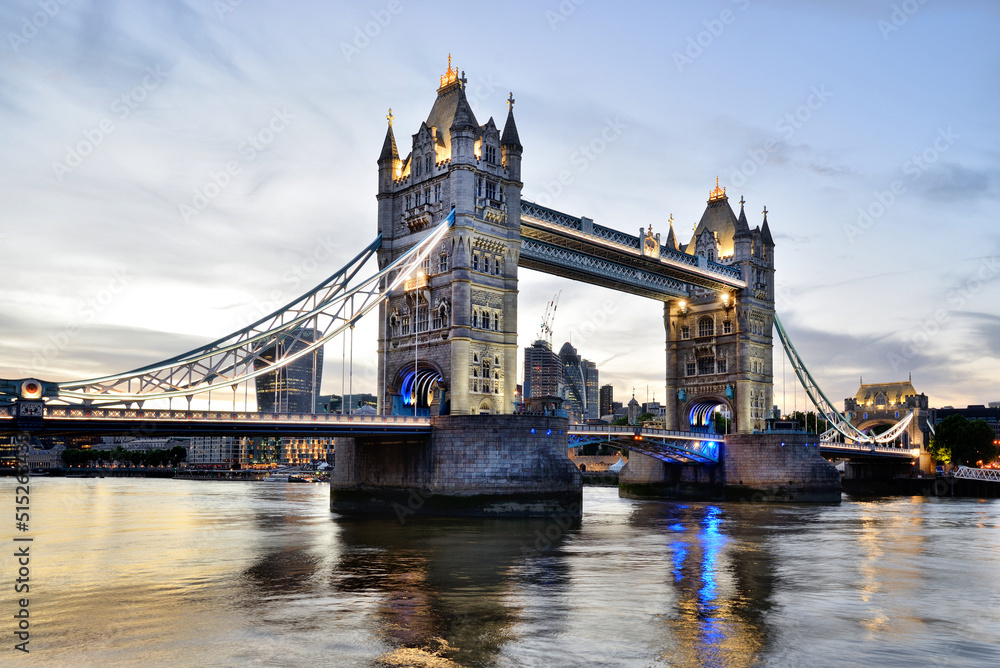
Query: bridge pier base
pixel 647 477
pixel 482 465
pixel 779 467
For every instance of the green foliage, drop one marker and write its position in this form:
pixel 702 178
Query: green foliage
pixel 958 440
pixel 722 425
pixel 645 417
pixel 810 422
pixel 620 421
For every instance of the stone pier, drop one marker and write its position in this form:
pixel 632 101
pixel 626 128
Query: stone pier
pixel 755 467
pixel 488 465
pixel 779 467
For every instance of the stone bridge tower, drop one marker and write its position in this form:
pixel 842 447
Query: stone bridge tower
pixel 719 344
pixel 448 341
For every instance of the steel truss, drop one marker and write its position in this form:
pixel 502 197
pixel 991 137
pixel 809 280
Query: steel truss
pixel 276 340
pixel 824 406
pixel 968 473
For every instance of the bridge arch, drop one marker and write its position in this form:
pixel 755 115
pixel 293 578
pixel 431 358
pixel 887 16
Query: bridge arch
pixel 422 385
pixel 867 425
pixel 700 413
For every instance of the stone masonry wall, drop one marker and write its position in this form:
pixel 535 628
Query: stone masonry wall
pixel 779 467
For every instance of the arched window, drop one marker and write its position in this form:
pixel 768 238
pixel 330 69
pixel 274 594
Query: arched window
pixel 706 326
pixel 496 322
pixel 711 255
pixel 428 163
pixel 393 325
pixel 475 318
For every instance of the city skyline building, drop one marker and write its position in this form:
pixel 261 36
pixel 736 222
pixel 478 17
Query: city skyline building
pixel 607 400
pixel 294 387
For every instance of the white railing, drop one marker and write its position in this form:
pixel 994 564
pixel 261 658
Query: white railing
pixel 968 473
pixel 154 415
pixel 869 447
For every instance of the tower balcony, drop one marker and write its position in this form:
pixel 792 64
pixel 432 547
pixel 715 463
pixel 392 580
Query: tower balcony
pixel 421 216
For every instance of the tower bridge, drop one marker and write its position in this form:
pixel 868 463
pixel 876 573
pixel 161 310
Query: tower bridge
pixel 452 233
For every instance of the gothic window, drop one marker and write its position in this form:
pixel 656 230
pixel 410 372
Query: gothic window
pixel 437 192
pixel 418 166
pixel 475 357
pixel 479 187
pixel 498 265
pixel 427 164
pixel 491 154
pixel 496 387
pixel 421 319
pixel 475 261
pixel 406 325
pixel 685 332
pixel 486 263
pixel 491 190
pixel 409 202
pixel 691 368
pixel 711 255
pixel 427 195
pixel 425 265
pixel 418 196
pixel 443 263
pixel 706 366
pixel 496 360
pixel 496 322
pixel 706 327
pixel 727 327
pixel 393 325
pixel 475 317
pixel 720 366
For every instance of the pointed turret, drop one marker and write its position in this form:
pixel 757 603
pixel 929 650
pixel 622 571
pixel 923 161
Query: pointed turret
pixel 765 232
pixel 464 118
pixel 742 226
pixel 389 150
pixel 510 137
pixel 510 143
pixel 388 160
pixel 671 239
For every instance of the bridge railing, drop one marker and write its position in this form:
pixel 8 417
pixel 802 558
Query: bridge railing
pixel 869 447
pixel 969 473
pixel 618 430
pixel 71 412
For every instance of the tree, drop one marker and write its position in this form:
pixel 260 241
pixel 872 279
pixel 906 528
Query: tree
pixel 645 417
pixel 620 421
pixel 722 425
pixel 960 441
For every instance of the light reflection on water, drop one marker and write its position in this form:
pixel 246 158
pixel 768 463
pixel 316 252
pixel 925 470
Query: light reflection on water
pixel 132 572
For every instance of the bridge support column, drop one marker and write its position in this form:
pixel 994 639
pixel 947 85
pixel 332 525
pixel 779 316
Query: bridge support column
pixel 778 467
pixel 486 465
pixel 648 477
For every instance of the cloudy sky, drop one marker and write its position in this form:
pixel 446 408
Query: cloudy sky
pixel 869 128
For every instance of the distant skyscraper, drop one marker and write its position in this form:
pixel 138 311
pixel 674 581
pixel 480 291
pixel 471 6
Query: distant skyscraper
pixel 607 401
pixel 575 392
pixel 591 383
pixel 291 388
pixel 543 371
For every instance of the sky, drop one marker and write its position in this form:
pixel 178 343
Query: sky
pixel 173 170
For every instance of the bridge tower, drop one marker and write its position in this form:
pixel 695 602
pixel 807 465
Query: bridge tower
pixel 719 344
pixel 448 340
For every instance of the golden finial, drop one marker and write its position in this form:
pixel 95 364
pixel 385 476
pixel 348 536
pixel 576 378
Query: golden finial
pixel 671 220
pixel 764 212
pixel 451 76
pixel 389 117
pixel 718 193
pixel 510 101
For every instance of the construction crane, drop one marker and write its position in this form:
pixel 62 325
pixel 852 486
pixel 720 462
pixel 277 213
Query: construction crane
pixel 545 333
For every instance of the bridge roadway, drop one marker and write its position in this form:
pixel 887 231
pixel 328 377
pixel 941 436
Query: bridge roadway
pixel 664 444
pixel 146 422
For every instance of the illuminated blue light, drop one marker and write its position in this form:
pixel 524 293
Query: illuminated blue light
pixel 548 432
pixel 532 430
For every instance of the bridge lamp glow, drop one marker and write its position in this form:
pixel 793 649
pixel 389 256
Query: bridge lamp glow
pixel 31 389
pixel 725 299
pixel 682 306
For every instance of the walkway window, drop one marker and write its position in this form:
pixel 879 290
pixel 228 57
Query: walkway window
pixel 727 326
pixel 691 368
pixel 706 366
pixel 442 263
pixel 720 366
pixel 406 325
pixel 685 332
pixel 706 327
pixel 491 154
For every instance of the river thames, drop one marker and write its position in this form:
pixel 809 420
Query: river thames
pixel 145 572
